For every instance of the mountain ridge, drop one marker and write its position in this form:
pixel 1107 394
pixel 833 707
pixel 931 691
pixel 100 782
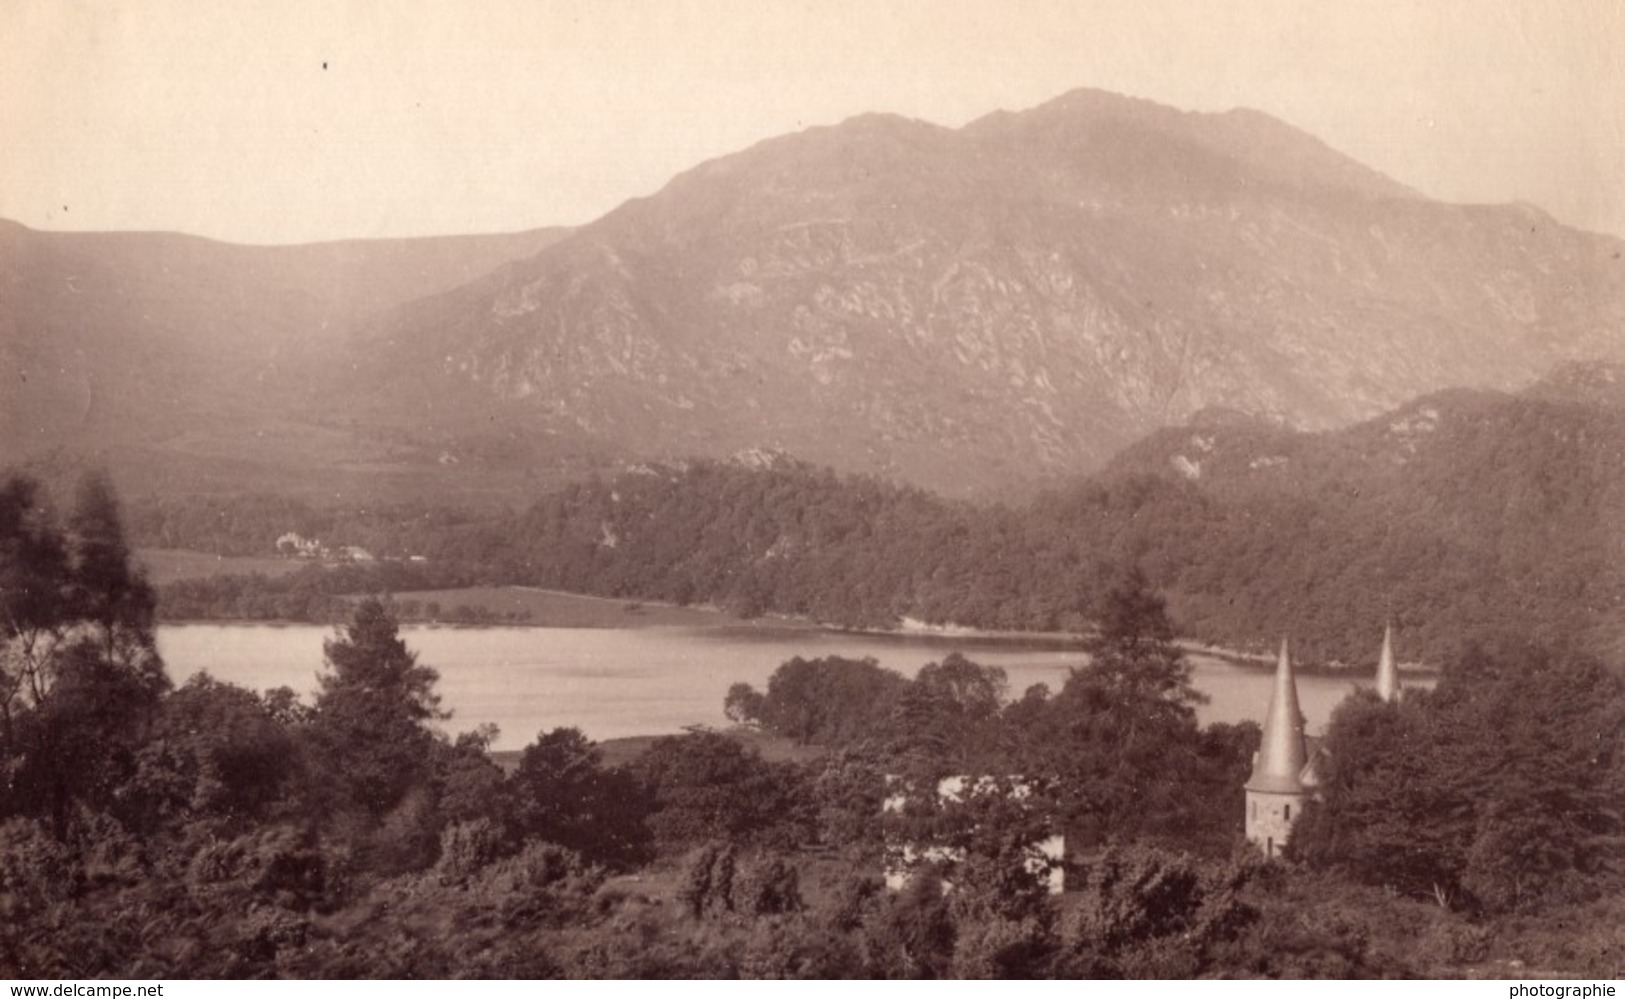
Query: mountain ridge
pixel 1071 278
pixel 172 357
pixel 980 311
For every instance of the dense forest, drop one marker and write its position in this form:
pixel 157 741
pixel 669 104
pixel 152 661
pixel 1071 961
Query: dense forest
pixel 1460 514
pixel 149 829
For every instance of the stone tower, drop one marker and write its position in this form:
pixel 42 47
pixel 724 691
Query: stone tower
pixel 1387 669
pixel 1276 792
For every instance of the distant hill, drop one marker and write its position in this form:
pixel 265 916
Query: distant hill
pixel 182 360
pixel 1463 515
pixel 986 309
pixel 1460 513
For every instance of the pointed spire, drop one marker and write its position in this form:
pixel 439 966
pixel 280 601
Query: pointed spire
pixel 1387 669
pixel 1281 754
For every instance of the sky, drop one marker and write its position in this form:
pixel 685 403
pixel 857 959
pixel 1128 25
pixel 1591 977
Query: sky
pixel 294 121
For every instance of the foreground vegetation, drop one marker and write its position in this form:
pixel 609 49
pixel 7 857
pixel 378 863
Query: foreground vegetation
pixel 150 830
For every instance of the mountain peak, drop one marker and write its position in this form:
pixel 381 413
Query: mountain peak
pixel 1075 109
pixel 1094 101
pixel 1237 147
pixel 886 122
pixel 1591 383
pixel 983 309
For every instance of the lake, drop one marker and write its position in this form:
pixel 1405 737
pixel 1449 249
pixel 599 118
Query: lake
pixel 612 682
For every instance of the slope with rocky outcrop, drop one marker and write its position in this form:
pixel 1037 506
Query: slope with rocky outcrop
pixel 981 309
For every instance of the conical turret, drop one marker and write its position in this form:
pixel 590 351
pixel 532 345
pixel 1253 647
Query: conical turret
pixel 1387 669
pixel 1281 754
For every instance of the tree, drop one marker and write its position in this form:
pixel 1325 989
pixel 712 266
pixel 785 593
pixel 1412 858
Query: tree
pixel 986 835
pixel 1499 790
pixel 1121 739
pixel 946 720
pixel 848 788
pixel 61 591
pixel 215 753
pixel 33 598
pixel 81 675
pixel 911 933
pixel 1134 651
pixel 1384 815
pixel 720 881
pixel 371 663
pixel 375 759
pixel 563 794
pixel 705 786
pixel 1147 913
pixel 105 590
pixel 743 704
pixel 831 701
pixel 471 787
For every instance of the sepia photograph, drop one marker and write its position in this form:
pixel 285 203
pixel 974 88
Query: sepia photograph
pixel 812 489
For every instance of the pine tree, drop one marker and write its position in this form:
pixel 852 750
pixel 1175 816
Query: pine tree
pixel 78 656
pixel 33 589
pixel 371 663
pixel 1134 651
pixel 368 729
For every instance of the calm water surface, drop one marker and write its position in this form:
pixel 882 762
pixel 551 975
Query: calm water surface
pixel 610 682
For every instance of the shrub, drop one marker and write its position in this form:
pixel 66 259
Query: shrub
pixel 466 848
pixel 766 886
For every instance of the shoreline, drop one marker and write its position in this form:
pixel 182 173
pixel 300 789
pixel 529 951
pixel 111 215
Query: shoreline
pixel 566 611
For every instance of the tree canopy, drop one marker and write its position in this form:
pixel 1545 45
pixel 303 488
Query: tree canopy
pixel 1499 790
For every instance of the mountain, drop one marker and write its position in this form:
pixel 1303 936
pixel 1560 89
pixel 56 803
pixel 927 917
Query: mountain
pixel 986 309
pixel 168 354
pixel 981 311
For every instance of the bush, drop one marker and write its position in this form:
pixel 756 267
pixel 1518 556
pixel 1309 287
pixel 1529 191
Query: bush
pixel 35 869
pixel 909 934
pixel 766 886
pixel 279 865
pixel 998 948
pixel 797 947
pixel 1148 913
pixel 466 848
pixel 708 881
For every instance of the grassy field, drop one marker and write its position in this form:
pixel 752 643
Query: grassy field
pixel 165 565
pixel 554 609
pixel 493 604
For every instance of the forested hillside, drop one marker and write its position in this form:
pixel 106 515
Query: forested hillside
pixel 1463 513
pixel 1458 514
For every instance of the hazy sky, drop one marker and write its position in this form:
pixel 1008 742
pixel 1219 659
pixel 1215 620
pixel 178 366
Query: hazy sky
pixel 289 121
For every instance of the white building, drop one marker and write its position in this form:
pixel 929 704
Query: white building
pixel 904 860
